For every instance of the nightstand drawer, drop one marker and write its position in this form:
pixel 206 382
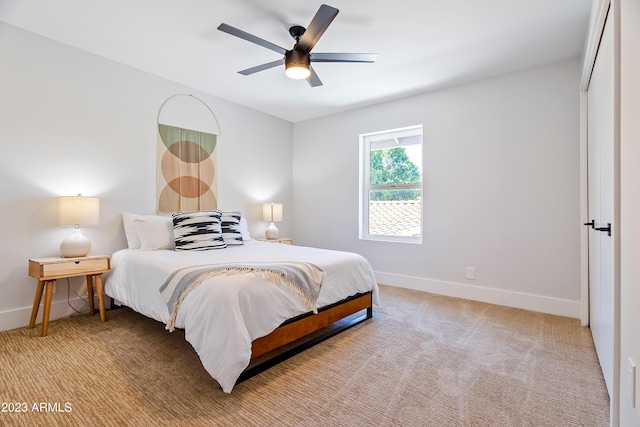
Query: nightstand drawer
pixel 49 268
pixel 283 240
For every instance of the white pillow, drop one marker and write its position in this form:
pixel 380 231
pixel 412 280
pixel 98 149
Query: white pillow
pixel 155 234
pixel 244 229
pixel 131 231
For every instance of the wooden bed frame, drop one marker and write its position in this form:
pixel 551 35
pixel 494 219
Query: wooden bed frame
pixel 267 351
pixel 294 330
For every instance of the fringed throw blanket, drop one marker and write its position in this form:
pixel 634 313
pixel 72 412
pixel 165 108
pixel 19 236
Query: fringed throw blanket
pixel 304 279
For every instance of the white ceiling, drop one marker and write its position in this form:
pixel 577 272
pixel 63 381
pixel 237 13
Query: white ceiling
pixel 422 45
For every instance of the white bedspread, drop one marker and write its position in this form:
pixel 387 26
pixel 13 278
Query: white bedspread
pixel 223 315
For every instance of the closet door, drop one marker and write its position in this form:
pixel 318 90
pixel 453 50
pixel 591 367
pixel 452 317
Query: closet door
pixel 600 142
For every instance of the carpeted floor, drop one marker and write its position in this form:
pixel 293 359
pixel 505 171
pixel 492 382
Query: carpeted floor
pixel 423 360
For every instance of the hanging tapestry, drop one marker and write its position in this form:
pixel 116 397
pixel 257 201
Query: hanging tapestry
pixel 186 170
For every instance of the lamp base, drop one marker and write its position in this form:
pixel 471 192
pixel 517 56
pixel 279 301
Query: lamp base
pixel 272 232
pixel 76 245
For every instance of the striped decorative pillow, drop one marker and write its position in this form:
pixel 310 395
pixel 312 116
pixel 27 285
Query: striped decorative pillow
pixel 231 232
pixel 198 231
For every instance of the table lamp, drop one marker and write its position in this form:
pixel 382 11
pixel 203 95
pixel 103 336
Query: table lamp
pixel 272 212
pixel 77 211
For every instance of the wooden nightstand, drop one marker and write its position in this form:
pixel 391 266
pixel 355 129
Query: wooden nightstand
pixel 47 270
pixel 283 240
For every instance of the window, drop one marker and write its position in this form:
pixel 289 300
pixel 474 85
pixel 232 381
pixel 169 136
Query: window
pixel 391 185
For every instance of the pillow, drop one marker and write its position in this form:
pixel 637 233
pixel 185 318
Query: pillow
pixel 155 233
pixel 131 230
pixel 198 231
pixel 231 233
pixel 244 229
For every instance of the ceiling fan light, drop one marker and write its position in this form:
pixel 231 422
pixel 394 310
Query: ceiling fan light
pixel 297 71
pixel 297 65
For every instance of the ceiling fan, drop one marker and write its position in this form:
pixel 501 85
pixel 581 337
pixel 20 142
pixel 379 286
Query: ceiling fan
pixel 297 61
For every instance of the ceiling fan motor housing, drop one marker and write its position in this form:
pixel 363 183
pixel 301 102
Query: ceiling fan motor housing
pixel 297 57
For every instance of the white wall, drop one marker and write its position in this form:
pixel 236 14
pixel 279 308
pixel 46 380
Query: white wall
pixel 629 204
pixel 72 122
pixel 500 157
pixel 501 189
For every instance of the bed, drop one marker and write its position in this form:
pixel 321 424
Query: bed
pixel 232 319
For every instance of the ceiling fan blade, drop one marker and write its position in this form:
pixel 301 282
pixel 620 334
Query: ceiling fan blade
pixel 262 67
pixel 318 25
pixel 313 79
pixel 251 38
pixel 343 57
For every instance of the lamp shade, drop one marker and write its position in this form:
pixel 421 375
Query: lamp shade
pixel 272 212
pixel 78 210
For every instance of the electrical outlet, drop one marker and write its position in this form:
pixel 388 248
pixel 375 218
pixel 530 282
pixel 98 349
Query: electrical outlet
pixel 631 382
pixel 471 273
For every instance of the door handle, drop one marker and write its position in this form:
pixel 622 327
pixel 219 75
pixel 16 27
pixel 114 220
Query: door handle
pixel 607 229
pixel 591 223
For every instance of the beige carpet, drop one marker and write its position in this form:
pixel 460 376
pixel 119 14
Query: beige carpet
pixel 423 360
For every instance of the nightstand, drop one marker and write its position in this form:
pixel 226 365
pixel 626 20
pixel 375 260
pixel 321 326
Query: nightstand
pixel 283 240
pixel 47 270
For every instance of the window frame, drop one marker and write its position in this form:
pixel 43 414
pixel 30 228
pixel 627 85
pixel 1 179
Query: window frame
pixel 366 141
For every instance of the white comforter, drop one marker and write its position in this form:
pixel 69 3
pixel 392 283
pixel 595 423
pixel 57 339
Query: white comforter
pixel 223 315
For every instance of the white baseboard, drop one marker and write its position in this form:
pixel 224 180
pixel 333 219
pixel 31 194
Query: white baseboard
pixel 543 304
pixel 19 317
